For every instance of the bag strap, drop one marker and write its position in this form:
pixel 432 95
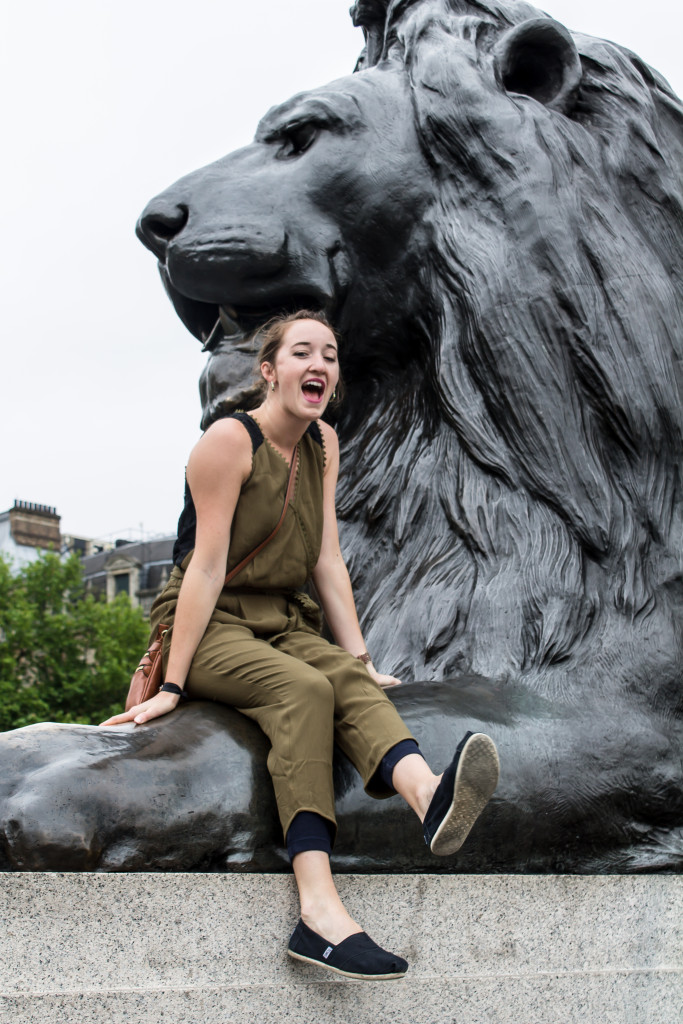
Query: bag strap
pixel 288 497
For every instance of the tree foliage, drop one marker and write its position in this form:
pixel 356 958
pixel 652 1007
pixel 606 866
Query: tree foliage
pixel 65 656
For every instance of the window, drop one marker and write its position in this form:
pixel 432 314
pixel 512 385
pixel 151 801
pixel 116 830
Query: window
pixel 122 583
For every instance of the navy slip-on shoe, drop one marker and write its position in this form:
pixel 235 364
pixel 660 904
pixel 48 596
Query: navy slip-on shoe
pixel 465 788
pixel 355 957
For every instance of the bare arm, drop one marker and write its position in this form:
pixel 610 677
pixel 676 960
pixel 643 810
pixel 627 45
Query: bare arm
pixel 331 577
pixel 219 464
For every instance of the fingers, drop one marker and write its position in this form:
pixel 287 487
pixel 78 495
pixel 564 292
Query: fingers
pixel 126 716
pixel 158 705
pixel 386 682
pixel 152 709
pixel 381 680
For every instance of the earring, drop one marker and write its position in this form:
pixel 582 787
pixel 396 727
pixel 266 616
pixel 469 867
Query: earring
pixel 272 385
pixel 334 394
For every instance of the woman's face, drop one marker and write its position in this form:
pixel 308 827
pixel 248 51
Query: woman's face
pixel 306 369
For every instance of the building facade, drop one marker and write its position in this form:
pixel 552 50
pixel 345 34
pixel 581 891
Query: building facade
pixel 27 530
pixel 137 568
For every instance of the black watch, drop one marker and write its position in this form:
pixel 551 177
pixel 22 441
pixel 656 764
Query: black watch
pixel 173 688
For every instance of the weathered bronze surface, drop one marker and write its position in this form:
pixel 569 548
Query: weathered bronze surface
pixel 491 213
pixel 190 792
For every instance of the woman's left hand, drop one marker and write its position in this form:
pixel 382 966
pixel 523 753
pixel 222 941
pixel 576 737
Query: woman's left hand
pixel 384 681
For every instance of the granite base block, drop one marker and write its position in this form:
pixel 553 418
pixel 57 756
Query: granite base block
pixel 84 948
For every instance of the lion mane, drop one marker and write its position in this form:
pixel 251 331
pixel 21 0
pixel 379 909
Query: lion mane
pixel 513 506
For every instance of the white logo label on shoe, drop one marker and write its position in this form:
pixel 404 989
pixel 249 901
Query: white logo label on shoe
pixel 327 952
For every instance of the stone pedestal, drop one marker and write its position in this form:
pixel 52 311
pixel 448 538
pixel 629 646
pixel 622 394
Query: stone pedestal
pixel 208 949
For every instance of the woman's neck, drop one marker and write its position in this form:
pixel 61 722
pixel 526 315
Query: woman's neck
pixel 283 431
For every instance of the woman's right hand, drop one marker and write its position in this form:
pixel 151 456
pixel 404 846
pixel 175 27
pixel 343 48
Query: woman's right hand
pixel 158 705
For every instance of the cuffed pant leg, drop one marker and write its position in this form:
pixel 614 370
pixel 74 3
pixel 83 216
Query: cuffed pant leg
pixel 366 723
pixel 291 701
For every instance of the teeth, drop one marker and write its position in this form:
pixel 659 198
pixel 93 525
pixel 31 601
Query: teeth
pixel 211 339
pixel 228 318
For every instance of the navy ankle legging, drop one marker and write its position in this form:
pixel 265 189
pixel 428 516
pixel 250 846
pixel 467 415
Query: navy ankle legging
pixel 310 831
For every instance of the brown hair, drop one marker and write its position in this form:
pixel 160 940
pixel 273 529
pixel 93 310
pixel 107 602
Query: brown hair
pixel 272 335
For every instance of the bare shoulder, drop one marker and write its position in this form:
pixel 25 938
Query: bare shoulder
pixel 331 442
pixel 224 447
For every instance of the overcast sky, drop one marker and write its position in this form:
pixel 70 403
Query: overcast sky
pixel 106 102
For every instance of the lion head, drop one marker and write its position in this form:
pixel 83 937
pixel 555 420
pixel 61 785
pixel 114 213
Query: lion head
pixel 490 212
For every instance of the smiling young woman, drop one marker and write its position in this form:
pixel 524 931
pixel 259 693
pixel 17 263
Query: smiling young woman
pixel 254 642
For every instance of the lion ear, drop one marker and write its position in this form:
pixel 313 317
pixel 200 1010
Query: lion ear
pixel 539 59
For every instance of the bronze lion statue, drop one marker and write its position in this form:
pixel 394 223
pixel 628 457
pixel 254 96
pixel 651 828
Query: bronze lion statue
pixel 491 214
pixel 490 211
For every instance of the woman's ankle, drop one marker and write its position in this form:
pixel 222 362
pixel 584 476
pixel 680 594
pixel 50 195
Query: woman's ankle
pixel 333 924
pixel 321 908
pixel 416 783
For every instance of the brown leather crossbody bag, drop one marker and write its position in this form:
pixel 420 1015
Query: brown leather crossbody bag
pixel 147 676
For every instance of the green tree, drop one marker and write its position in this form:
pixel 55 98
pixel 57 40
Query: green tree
pixel 65 656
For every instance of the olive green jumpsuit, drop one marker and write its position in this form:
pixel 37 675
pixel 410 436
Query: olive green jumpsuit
pixel 262 651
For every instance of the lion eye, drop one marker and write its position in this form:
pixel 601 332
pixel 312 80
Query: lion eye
pixel 298 138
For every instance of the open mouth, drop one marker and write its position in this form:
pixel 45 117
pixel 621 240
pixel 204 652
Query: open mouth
pixel 214 324
pixel 314 390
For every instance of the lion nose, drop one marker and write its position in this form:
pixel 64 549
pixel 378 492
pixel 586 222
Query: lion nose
pixel 159 224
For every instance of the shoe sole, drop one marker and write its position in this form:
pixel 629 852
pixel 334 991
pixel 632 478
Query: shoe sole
pixel 346 974
pixel 476 778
